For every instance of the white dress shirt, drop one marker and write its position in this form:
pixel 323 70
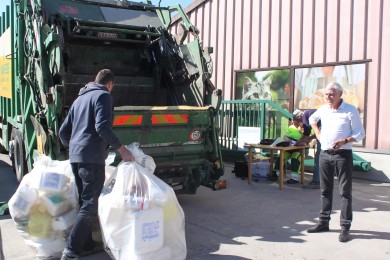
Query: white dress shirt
pixel 338 124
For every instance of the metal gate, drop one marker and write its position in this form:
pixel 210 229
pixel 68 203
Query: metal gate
pixel 270 118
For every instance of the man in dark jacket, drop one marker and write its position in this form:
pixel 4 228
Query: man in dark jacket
pixel 87 132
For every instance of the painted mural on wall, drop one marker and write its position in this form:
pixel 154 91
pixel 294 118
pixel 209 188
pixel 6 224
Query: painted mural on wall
pixel 310 85
pixel 273 85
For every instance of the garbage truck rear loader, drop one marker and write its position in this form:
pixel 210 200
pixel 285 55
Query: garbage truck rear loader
pixel 163 95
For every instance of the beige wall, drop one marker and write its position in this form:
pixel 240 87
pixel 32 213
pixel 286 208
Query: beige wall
pixel 261 34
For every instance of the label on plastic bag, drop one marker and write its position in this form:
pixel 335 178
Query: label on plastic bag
pixel 25 198
pixel 51 181
pixel 22 204
pixel 150 230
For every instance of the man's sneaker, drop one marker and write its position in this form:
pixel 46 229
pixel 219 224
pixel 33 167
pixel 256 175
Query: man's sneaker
pixel 320 227
pixel 344 235
pixel 65 257
pixel 291 181
pixel 312 185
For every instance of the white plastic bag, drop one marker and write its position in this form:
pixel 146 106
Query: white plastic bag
pixel 42 204
pixel 141 158
pixel 140 216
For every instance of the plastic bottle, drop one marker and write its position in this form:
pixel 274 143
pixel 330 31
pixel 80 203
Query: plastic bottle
pixel 135 203
pixel 39 224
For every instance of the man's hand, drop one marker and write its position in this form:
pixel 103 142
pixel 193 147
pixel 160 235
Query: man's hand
pixel 317 131
pixel 125 154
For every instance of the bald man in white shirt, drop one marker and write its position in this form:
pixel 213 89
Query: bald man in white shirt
pixel 340 127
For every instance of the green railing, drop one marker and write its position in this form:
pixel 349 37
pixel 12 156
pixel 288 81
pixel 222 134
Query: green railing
pixel 270 119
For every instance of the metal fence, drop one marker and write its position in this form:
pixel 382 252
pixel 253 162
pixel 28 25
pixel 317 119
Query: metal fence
pixel 263 115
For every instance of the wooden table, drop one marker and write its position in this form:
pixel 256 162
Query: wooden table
pixel 282 151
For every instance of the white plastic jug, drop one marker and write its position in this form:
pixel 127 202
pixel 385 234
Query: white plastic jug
pixel 148 231
pixel 138 236
pixel 56 204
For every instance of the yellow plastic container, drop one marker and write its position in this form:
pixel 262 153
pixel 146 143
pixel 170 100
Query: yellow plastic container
pixel 39 224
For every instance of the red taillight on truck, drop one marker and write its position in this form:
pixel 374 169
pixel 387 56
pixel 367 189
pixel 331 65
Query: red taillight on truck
pixel 126 120
pixel 171 119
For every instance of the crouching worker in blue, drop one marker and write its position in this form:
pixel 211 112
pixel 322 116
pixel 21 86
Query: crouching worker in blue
pixel 340 127
pixel 87 132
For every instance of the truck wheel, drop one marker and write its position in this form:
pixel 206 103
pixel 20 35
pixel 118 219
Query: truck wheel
pixel 19 155
pixel 2 149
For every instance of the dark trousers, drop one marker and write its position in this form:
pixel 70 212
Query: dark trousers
pixel 339 165
pixel 89 179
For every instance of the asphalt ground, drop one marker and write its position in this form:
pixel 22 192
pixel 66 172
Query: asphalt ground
pixel 256 221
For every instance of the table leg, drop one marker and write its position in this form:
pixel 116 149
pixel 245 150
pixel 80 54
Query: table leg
pixel 302 164
pixel 250 165
pixel 281 167
pixel 271 161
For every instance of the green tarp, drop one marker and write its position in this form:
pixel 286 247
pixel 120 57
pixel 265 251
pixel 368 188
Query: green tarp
pixel 359 164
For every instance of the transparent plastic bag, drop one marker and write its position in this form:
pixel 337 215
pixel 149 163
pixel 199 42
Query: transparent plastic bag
pixel 141 158
pixel 140 216
pixel 41 205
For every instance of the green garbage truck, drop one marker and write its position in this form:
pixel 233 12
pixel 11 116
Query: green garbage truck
pixel 163 95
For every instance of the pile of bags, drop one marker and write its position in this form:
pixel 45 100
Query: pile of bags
pixel 139 214
pixel 45 206
pixel 140 217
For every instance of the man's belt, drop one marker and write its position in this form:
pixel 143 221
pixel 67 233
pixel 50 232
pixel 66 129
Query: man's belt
pixel 333 152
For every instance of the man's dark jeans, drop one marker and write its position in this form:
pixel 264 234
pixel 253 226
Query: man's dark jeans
pixel 339 164
pixel 89 180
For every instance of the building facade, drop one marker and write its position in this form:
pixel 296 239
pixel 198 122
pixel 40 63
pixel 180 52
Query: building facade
pixel 310 42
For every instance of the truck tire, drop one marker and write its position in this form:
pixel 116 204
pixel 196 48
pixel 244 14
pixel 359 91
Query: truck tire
pixel 18 158
pixel 2 149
